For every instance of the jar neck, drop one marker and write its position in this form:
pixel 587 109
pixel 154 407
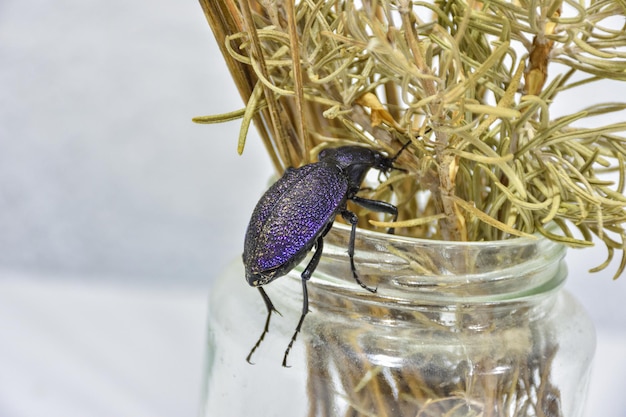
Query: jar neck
pixel 418 271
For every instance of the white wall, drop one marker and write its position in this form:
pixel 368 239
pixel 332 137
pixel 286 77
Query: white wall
pixel 102 171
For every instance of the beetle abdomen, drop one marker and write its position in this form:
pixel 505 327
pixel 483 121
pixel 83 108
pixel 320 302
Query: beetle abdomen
pixel 290 217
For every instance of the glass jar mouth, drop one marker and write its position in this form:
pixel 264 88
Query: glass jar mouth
pixel 373 234
pixel 406 268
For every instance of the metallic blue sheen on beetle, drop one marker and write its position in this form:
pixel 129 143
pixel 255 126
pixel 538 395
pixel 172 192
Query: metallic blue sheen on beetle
pixel 298 210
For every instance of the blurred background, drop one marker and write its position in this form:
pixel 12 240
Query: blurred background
pixel 117 212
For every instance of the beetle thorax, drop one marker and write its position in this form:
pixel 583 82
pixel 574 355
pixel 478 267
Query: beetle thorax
pixel 354 161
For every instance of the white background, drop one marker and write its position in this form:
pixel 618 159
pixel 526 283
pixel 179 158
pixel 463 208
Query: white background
pixel 116 212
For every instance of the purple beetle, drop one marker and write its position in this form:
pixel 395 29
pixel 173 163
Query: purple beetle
pixel 297 212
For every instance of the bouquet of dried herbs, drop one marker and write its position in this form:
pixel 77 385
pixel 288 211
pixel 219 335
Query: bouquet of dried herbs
pixel 470 84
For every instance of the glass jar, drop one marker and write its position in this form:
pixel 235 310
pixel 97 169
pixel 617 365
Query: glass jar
pixel 455 329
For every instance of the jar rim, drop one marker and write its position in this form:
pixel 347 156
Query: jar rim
pixel 404 267
pixel 513 241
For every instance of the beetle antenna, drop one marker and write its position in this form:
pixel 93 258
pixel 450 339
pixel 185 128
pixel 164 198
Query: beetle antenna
pixel 390 161
pixel 406 145
pixel 393 159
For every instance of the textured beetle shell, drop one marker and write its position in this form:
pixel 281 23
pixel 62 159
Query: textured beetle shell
pixel 290 217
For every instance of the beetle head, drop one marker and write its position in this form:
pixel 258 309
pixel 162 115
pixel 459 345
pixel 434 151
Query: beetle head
pixel 385 164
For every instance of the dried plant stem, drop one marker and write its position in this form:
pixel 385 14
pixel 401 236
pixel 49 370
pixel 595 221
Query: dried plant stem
pixel 476 74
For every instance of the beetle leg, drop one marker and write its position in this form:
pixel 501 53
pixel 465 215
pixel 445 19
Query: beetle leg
pixel 270 308
pixel 306 275
pixel 305 310
pixel 351 218
pixel 379 206
pixel 310 268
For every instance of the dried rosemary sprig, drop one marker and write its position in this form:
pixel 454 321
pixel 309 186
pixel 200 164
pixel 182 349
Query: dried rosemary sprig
pixel 469 83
